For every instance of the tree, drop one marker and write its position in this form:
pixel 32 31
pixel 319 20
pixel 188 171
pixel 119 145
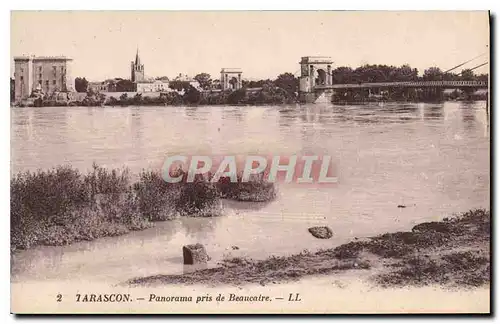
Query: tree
pixel 81 84
pixel 288 82
pixel 216 84
pixel 124 85
pixel 433 74
pixel 204 80
pixel 404 73
pixel 237 97
pixel 191 96
pixel 179 85
pixel 342 75
pixel 482 77
pixel 255 84
pixel 137 100
pixel 467 75
pixel 124 97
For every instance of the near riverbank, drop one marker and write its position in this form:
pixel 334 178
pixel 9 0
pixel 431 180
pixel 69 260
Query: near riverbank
pixel 62 206
pixel 454 252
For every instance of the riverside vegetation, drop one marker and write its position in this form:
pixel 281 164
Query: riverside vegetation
pixel 62 205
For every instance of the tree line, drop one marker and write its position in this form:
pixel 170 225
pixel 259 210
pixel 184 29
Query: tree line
pixel 384 73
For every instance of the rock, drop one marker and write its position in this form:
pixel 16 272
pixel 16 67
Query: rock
pixel 195 254
pixel 321 232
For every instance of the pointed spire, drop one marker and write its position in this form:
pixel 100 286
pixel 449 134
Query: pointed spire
pixel 137 60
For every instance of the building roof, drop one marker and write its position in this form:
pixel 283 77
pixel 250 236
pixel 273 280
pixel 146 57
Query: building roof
pixel 152 81
pixel 316 59
pixel 51 58
pixel 231 70
pixel 42 58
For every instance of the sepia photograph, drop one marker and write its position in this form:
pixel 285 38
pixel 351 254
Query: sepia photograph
pixel 250 162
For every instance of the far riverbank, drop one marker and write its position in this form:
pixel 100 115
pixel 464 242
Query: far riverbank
pixel 244 97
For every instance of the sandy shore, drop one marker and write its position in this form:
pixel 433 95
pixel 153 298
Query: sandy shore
pixel 452 253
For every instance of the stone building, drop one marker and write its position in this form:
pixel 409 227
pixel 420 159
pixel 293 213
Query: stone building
pixel 152 86
pixel 47 74
pixel 103 86
pixel 97 86
pixel 186 78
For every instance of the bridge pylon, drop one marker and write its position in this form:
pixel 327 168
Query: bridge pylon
pixel 315 71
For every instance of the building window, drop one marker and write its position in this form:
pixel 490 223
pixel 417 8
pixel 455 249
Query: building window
pixel 22 78
pixel 47 83
pixel 22 70
pixel 54 70
pixel 40 76
pixel 39 69
pixel 54 82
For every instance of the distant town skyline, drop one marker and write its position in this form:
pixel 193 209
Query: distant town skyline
pixel 263 44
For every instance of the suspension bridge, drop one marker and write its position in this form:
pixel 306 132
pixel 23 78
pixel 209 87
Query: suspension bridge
pixel 316 81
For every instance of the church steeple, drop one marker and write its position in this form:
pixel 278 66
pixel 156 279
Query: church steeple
pixel 136 68
pixel 137 60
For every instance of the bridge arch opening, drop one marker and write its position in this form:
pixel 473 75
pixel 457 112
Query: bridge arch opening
pixel 233 83
pixel 321 77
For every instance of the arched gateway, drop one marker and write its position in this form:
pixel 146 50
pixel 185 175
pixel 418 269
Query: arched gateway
pixel 316 70
pixel 230 78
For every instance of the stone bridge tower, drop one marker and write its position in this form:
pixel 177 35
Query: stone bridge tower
pixel 316 72
pixel 230 78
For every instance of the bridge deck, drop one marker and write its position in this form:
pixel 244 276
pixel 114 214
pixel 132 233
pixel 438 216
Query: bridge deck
pixel 410 84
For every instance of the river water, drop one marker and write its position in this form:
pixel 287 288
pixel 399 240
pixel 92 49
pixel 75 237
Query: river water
pixel 432 158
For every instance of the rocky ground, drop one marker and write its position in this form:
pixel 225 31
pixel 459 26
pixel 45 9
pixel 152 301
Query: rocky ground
pixel 454 252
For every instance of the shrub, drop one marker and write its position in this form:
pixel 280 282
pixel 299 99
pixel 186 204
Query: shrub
pixel 199 198
pixel 155 197
pixel 237 97
pixel 257 189
pixel 191 95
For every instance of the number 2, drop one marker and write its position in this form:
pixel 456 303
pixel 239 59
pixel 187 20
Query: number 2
pixel 59 298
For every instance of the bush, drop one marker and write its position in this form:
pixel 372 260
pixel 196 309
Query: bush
pixel 155 197
pixel 40 198
pixel 191 95
pixel 237 97
pixel 257 189
pixel 199 198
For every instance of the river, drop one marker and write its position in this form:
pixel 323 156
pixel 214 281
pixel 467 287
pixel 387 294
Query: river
pixel 432 158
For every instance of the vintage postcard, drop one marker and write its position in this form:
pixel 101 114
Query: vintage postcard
pixel 246 162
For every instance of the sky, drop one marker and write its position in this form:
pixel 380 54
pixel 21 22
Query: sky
pixel 262 43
